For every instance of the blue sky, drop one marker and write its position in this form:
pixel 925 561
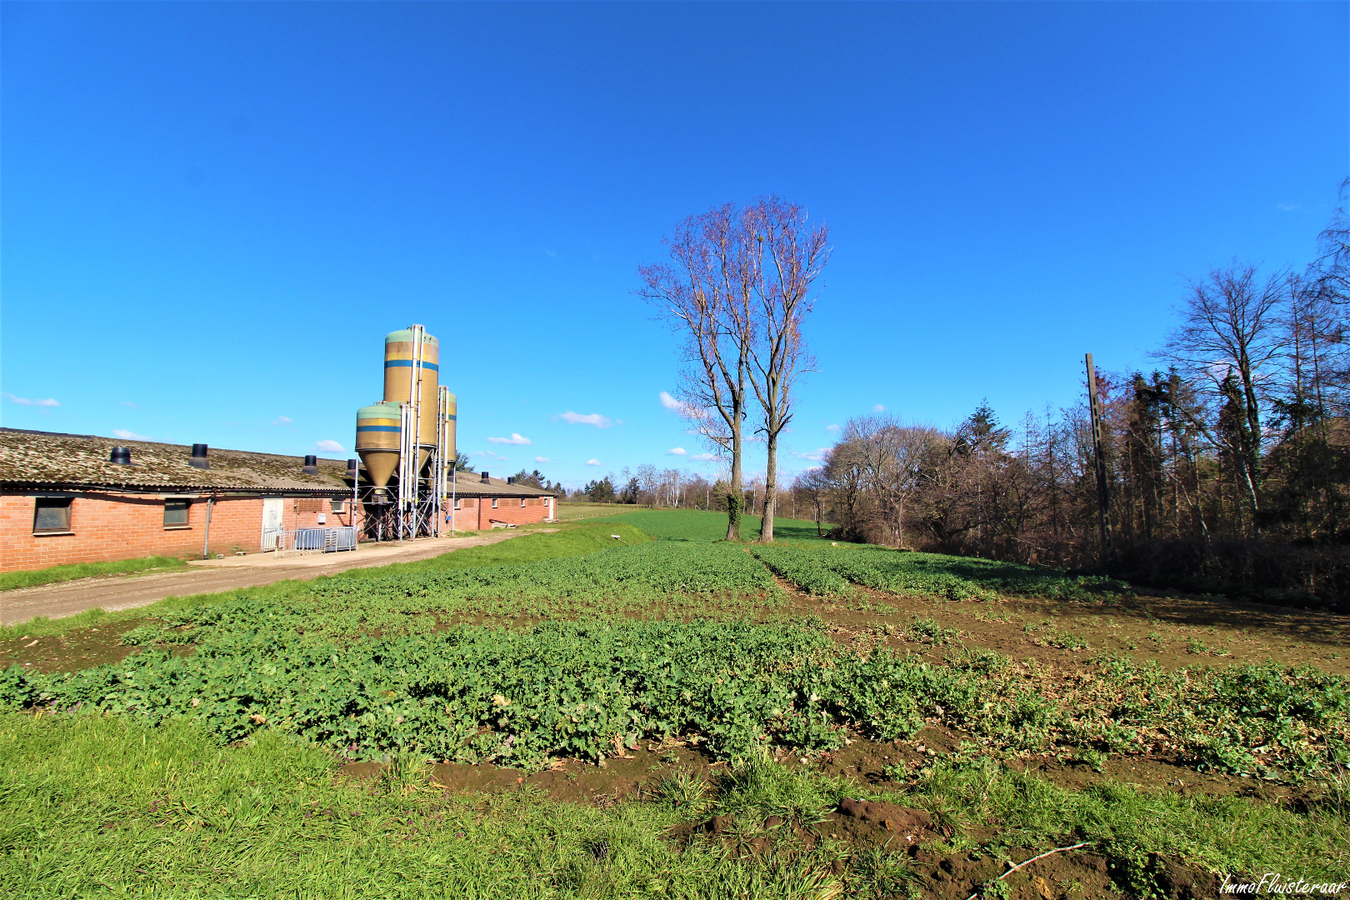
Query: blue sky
pixel 212 213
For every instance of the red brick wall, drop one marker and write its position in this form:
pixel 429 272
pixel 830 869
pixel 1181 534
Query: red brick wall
pixel 108 526
pixel 476 513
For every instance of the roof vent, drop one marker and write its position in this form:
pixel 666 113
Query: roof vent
pixel 121 456
pixel 353 465
pixel 510 479
pixel 199 460
pixel 311 465
pixel 484 479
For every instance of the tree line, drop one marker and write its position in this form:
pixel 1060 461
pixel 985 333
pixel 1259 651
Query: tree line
pixel 1227 463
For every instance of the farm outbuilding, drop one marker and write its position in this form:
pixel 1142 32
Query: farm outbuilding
pixel 68 498
pixel 481 502
pixel 71 498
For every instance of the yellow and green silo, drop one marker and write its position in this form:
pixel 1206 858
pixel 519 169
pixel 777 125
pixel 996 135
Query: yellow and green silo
pixel 401 369
pixel 377 441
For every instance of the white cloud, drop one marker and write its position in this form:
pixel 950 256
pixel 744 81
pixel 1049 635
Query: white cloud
pixel 329 447
pixel 127 403
pixel 831 428
pixel 678 451
pixel 513 439
pixel 488 453
pixel 592 462
pixel 541 459
pixel 24 401
pixel 282 420
pixel 814 455
pixel 551 252
pixel 595 419
pixel 129 435
pixel 1287 207
pixel 878 408
pixel 704 457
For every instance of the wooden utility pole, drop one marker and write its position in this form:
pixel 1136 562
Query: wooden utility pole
pixel 1099 456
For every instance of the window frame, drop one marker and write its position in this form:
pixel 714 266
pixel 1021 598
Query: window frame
pixel 54 502
pixel 522 502
pixel 186 524
pixel 494 502
pixel 337 507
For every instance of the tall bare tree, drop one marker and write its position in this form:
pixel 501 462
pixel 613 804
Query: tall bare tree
pixel 707 291
pixel 1229 339
pixel 1333 266
pixel 790 257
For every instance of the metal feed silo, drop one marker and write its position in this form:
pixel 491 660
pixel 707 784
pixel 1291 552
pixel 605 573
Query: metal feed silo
pixel 449 413
pixel 412 364
pixel 377 441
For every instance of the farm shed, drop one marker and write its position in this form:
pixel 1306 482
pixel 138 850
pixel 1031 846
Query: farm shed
pixel 63 499
pixel 481 501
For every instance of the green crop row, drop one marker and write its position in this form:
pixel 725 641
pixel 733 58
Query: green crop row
pixel 587 690
pixel 804 568
pixel 821 569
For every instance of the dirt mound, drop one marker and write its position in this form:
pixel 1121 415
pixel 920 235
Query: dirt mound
pixel 898 825
pixel 1176 881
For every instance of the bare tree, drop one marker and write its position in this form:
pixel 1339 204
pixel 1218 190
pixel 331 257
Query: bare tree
pixel 894 458
pixel 791 257
pixel 812 486
pixel 1333 267
pixel 1229 338
pixel 707 291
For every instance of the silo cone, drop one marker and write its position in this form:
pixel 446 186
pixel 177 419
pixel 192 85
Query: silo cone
pixel 399 347
pixel 377 443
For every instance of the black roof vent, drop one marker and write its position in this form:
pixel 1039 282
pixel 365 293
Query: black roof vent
pixel 311 465
pixel 510 479
pixel 199 460
pixel 484 479
pixel 121 456
pixel 353 465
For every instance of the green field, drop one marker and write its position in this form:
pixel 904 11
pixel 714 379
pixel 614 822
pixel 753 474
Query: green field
pixel 631 707
pixel 10 581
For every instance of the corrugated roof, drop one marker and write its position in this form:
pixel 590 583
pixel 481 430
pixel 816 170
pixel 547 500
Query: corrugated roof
pixel 470 484
pixel 46 459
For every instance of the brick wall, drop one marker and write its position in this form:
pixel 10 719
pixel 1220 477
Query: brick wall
pixel 476 513
pixel 107 526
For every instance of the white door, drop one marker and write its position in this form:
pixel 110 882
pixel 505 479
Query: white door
pixel 273 527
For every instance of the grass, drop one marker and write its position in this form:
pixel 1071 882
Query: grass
pixel 97 806
pixel 573 512
pixel 1128 823
pixel 111 806
pixel 12 581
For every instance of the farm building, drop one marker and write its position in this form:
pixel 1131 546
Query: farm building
pixel 481 502
pixel 64 498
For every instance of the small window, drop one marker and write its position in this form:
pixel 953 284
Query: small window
pixel 522 502
pixel 338 506
pixel 456 503
pixel 176 513
pixel 494 502
pixel 51 515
